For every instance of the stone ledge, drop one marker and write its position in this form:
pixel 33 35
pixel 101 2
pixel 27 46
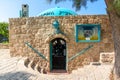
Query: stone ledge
pixel 4 46
pixel 95 63
pixel 107 57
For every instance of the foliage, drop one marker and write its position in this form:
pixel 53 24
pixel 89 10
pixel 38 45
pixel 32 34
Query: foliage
pixel 116 5
pixel 5 42
pixel 4 31
pixel 77 4
pixel 113 6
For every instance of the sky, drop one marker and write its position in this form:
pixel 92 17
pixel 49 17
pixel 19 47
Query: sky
pixel 11 8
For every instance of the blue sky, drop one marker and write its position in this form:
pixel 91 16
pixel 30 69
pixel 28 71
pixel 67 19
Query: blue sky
pixel 11 8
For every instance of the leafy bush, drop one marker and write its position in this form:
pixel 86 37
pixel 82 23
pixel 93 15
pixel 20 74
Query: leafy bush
pixel 4 33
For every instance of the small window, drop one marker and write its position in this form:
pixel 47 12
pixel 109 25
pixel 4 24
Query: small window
pixel 87 32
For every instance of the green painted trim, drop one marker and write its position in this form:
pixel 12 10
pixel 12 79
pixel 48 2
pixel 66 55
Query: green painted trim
pixel 36 51
pixel 81 52
pixel 66 58
pixel 50 56
pixel 81 25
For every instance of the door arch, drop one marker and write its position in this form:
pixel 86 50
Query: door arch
pixel 58 54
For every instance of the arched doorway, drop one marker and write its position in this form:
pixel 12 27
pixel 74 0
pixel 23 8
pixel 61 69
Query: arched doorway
pixel 58 54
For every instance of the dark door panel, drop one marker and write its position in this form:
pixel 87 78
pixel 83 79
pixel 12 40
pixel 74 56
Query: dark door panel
pixel 59 62
pixel 58 53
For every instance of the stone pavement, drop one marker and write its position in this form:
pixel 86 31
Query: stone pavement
pixel 14 69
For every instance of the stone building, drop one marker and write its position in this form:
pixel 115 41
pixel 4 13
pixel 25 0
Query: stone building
pixel 63 41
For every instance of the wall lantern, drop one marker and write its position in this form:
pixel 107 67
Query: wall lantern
pixel 56 26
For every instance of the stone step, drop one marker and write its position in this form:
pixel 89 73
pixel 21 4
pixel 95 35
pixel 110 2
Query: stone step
pixel 38 68
pixel 7 65
pixel 99 75
pixel 7 61
pixel 91 76
pixel 11 58
pixel 74 71
pixel 95 63
pixel 10 68
pixel 30 66
pixel 86 70
pixel 80 73
pixel 22 60
pixel 26 62
pixel 4 51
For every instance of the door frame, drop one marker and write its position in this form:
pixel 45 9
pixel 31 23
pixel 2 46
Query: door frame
pixel 50 47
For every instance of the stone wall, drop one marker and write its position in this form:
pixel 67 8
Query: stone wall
pixel 4 46
pixel 107 57
pixel 38 31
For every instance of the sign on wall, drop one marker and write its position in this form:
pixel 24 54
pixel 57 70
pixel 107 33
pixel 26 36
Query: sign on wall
pixel 87 32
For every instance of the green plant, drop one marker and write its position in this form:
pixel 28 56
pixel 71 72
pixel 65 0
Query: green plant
pixel 116 5
pixel 4 33
pixel 5 42
pixel 4 29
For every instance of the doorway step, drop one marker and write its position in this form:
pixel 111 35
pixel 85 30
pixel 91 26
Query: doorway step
pixel 31 64
pixel 58 72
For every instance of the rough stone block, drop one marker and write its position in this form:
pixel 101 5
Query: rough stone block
pixel 107 57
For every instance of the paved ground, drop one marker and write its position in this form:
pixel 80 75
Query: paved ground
pixel 13 69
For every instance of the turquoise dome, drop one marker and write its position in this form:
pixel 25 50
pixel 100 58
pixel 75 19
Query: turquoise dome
pixel 57 12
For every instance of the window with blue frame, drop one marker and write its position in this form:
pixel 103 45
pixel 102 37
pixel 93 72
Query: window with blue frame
pixel 87 32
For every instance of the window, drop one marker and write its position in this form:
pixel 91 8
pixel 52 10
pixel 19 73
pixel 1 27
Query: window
pixel 87 32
